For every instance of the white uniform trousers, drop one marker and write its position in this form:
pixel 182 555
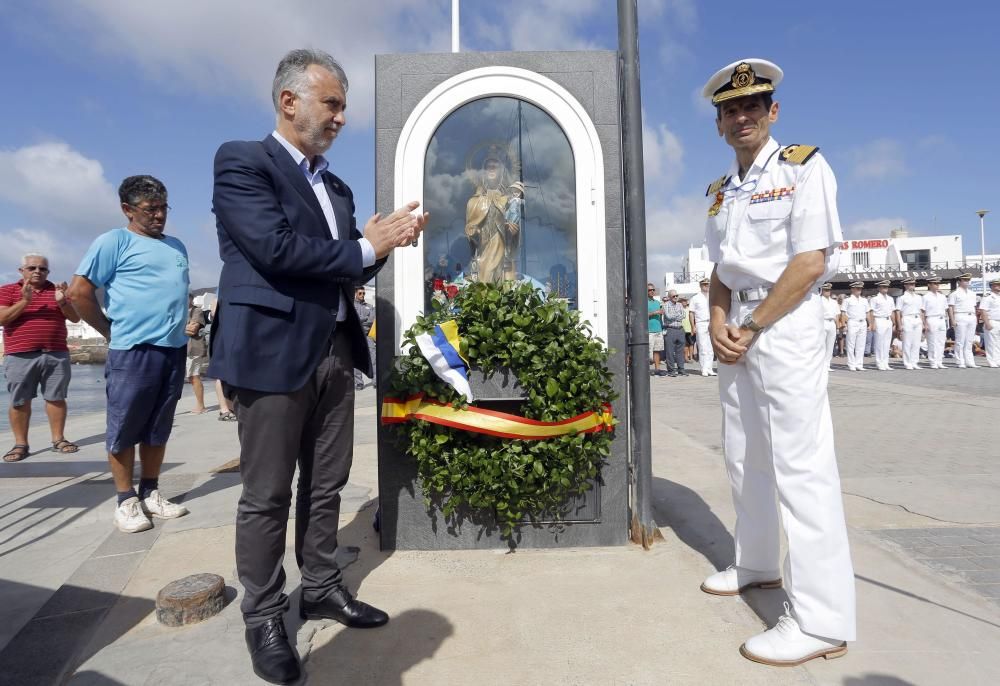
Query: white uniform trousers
pixel 992 344
pixel 912 328
pixel 706 356
pixel 883 337
pixel 857 331
pixel 935 340
pixel 830 329
pixel 778 440
pixel 965 329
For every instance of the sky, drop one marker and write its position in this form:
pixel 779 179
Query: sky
pixel 899 96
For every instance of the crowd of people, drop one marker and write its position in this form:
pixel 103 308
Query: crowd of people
pixel 678 332
pixel 914 327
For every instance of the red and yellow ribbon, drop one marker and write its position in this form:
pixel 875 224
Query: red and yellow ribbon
pixel 491 422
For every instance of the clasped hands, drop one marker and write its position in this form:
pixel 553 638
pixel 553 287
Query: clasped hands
pixel 730 341
pixel 400 228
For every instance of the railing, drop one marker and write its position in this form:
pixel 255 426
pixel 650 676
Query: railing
pixel 972 267
pixel 688 277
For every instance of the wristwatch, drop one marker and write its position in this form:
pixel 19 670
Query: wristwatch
pixel 749 323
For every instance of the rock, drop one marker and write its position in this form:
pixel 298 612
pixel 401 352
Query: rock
pixel 190 600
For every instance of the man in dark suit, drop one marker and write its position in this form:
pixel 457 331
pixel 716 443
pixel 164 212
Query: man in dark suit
pixel 286 343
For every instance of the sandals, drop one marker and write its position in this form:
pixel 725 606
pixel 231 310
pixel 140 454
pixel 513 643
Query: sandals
pixel 227 417
pixel 17 453
pixel 65 447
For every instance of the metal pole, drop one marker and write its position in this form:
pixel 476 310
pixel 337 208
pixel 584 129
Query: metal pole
pixel 982 248
pixel 454 26
pixel 643 527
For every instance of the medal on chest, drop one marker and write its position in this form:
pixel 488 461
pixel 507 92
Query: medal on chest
pixel 716 206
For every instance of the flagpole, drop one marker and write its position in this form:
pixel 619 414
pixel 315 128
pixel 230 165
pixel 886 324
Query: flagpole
pixel 454 26
pixel 643 526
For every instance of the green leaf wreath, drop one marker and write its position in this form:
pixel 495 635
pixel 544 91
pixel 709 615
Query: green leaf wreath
pixel 563 371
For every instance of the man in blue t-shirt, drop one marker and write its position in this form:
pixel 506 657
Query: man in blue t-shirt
pixel 144 274
pixel 655 328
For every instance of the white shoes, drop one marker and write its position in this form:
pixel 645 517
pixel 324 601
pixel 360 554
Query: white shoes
pixel 786 645
pixel 733 580
pixel 156 505
pixel 130 518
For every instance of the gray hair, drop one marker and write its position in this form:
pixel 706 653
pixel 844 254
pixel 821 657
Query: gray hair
pixel 291 73
pixel 24 258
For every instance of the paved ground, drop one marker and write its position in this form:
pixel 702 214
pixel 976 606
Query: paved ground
pixel 920 476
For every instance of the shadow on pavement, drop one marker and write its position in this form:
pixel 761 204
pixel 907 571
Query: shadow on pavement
pixel 55 641
pixel 91 678
pixel 700 529
pixel 876 680
pixel 379 657
pixel 358 555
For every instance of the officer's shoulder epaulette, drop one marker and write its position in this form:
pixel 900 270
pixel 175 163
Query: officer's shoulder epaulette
pixel 797 154
pixel 714 187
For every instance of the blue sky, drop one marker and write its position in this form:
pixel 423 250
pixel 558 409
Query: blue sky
pixel 900 97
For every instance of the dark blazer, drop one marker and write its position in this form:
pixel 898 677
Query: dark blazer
pixel 282 273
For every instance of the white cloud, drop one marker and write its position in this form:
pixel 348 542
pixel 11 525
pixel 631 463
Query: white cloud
pixel 231 47
pixel 663 156
pixel 540 25
pixel 671 228
pixel 58 185
pixel 20 241
pixel 881 159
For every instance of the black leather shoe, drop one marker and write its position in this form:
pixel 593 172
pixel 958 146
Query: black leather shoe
pixel 341 606
pixel 273 659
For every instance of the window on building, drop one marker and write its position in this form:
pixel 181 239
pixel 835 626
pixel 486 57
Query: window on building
pixel 861 259
pixel 916 259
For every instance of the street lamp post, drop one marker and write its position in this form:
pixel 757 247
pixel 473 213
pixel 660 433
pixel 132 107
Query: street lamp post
pixel 982 247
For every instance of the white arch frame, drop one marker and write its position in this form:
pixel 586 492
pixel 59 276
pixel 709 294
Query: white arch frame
pixel 411 150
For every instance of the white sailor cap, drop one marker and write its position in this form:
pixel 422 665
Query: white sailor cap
pixel 745 77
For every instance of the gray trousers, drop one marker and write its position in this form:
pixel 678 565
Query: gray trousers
pixel 359 378
pixel 313 428
pixel 673 349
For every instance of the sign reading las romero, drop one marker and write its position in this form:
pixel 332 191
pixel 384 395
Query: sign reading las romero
pixel 866 244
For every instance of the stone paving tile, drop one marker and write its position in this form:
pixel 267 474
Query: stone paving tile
pixel 968 555
pixel 992 562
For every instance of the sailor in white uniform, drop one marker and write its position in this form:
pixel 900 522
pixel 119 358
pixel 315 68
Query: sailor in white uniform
pixel 934 308
pixel 858 311
pixel 883 307
pixel 909 323
pixel 962 311
pixel 989 312
pixel 772 232
pixel 699 308
pixel 831 316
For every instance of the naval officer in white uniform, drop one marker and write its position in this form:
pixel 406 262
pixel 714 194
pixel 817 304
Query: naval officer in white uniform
pixel 909 323
pixel 962 311
pixel 883 307
pixel 772 231
pixel 989 312
pixel 858 312
pixel 831 315
pixel 699 308
pixel 934 308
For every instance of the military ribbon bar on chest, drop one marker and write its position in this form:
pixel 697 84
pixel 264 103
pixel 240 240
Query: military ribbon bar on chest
pixel 773 194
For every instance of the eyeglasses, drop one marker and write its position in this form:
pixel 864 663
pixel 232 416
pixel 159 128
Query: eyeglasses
pixel 152 211
pixel 32 268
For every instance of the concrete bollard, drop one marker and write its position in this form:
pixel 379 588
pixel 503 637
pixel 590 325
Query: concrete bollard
pixel 190 600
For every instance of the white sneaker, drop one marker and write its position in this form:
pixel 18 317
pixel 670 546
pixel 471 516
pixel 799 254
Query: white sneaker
pixel 733 580
pixel 712 374
pixel 130 518
pixel 157 506
pixel 787 646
